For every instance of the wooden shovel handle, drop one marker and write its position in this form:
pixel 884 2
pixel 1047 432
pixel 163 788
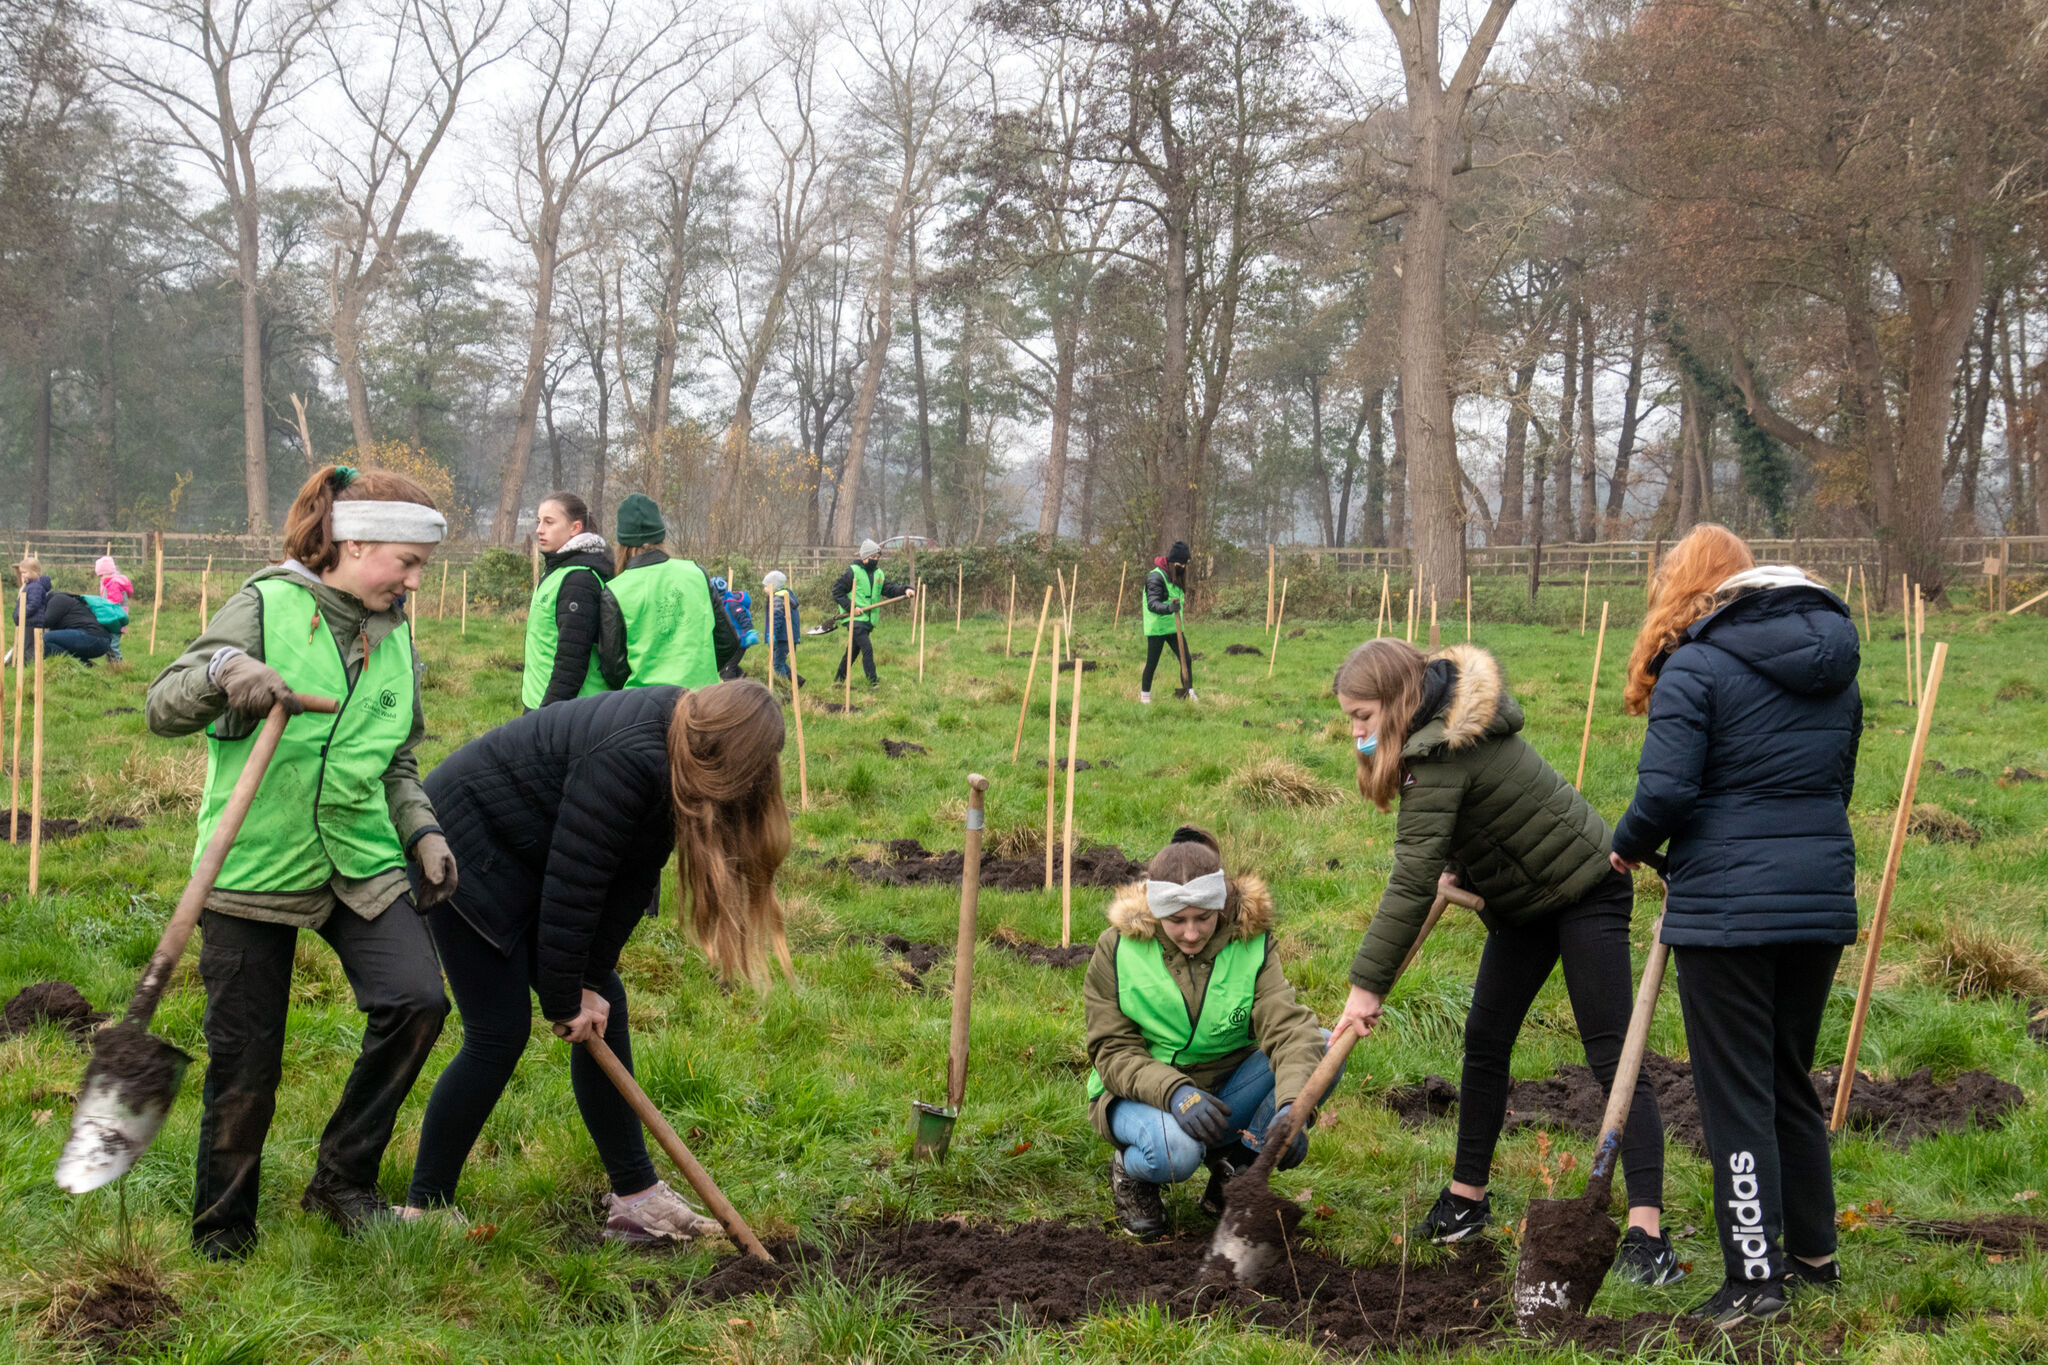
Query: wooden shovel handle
pixel 1445 896
pixel 1622 1092
pixel 692 1169
pixel 963 946
pixel 171 947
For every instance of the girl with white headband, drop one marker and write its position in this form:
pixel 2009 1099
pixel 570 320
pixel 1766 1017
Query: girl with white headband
pixel 1197 1039
pixel 327 845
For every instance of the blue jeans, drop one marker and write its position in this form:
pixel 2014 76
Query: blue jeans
pixel 79 644
pixel 1157 1150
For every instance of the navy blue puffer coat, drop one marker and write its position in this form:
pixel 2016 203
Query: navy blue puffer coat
pixel 1747 771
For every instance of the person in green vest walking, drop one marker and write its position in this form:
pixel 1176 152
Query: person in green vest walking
pixel 568 653
pixel 340 815
pixel 1166 595
pixel 859 590
pixel 1197 1040
pixel 677 632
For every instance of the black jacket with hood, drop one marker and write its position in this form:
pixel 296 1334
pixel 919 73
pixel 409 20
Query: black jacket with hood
pixel 1748 766
pixel 578 614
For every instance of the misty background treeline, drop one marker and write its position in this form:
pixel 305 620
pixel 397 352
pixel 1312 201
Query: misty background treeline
pixel 1108 270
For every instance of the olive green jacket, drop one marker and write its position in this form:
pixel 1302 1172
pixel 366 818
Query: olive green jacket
pixel 1481 802
pixel 1284 1029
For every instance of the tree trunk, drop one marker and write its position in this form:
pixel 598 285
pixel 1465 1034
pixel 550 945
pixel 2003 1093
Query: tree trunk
pixel 1179 479
pixel 1326 511
pixel 547 414
pixel 1424 440
pixel 255 430
pixel 924 402
pixel 1589 492
pixel 1624 450
pixel 1691 454
pixel 106 474
pixel 877 361
pixel 347 332
pixel 2037 443
pixel 512 482
pixel 1376 468
pixel 1350 478
pixel 1509 526
pixel 2020 517
pixel 1567 424
pixel 1066 348
pixel 1094 428
pixel 1397 473
pixel 1976 412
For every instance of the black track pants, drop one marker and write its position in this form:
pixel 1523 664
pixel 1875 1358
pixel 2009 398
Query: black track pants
pixel 1155 645
pixel 1752 1016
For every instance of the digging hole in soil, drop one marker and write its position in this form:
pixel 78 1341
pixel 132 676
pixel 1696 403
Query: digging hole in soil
pixel 62 827
pixel 120 1312
pixel 1045 955
pixel 58 1002
pixel 974 1279
pixel 906 862
pixel 1900 1110
pixel 1087 665
pixel 1082 765
pixel 2000 1234
pixel 902 748
pixel 918 958
pixel 1252 650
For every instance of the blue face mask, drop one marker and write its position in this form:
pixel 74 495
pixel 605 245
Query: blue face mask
pixel 1367 745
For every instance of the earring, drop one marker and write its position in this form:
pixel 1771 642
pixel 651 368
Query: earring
pixel 359 554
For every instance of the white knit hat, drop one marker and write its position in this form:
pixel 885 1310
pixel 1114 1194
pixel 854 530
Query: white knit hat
pixel 773 580
pixel 868 550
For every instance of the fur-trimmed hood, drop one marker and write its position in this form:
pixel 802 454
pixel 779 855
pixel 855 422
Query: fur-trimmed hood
pixel 1133 918
pixel 1478 704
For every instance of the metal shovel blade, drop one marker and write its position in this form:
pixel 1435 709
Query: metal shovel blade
pixel 122 1102
pixel 931 1130
pixel 1568 1246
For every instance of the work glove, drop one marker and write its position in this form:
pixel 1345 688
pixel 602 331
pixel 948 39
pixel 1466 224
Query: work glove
pixel 437 871
pixel 1201 1115
pixel 1297 1150
pixel 253 687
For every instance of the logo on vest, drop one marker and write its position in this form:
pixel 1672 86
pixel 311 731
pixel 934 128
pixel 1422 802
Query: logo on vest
pixel 1240 1014
pixel 388 699
pixel 1747 1213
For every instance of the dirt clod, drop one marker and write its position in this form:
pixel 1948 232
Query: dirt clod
pixel 119 1312
pixel 2017 774
pixel 902 748
pixel 2002 1234
pixel 906 862
pixel 918 958
pixel 63 827
pixel 1087 665
pixel 58 1002
pixel 1047 956
pixel 1252 650
pixel 1941 826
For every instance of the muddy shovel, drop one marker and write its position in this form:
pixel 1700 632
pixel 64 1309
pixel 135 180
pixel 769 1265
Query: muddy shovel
pixel 134 1075
pixel 932 1131
pixel 1568 1245
pixel 1253 1232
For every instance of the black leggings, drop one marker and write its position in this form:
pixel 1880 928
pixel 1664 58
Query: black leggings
pixel 491 992
pixel 863 649
pixel 1592 939
pixel 1155 645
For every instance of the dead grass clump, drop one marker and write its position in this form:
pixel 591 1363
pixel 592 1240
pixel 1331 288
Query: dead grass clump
pixel 1281 782
pixel 1018 841
pixel 2018 688
pixel 1941 825
pixel 1973 961
pixel 150 781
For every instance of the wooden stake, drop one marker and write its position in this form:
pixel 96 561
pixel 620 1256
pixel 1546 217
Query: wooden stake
pixel 921 608
pixel 959 592
pixel 1864 575
pixel 1885 887
pixel 205 582
pixel 157 606
pixel 1379 622
pixel 1122 569
pixel 963 945
pixel 1279 617
pixel 1269 585
pixel 1592 690
pixel 1044 608
pixel 846 701
pixel 1906 612
pixel 1010 621
pixel 1411 616
pixel 21 634
pixel 21 646
pixel 536 563
pixel 796 702
pixel 35 791
pixel 1067 837
pixel 1076 609
pixel 1436 639
pixel 2037 597
pixel 1061 579
pixel 1919 632
pixel 465 601
pixel 1052 750
pixel 441 610
pixel 1468 609
pixel 1586 593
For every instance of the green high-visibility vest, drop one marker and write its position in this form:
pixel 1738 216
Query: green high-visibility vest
pixel 1150 998
pixel 667 607
pixel 321 808
pixel 543 637
pixel 1161 623
pixel 867 591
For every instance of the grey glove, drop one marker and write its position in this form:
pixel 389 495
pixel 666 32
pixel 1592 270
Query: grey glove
pixel 1200 1114
pixel 253 687
pixel 437 871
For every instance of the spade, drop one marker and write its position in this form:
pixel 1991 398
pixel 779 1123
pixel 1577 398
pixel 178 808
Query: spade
pixel 134 1075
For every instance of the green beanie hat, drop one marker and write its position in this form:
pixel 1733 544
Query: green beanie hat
pixel 640 521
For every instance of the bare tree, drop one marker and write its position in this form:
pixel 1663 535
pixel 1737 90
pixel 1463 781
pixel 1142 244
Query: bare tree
pixel 217 75
pixel 402 87
pixel 603 81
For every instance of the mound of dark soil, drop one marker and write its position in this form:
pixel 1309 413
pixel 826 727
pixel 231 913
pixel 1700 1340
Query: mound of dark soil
pixel 128 1309
pixel 902 748
pixel 1047 956
pixel 59 1002
pixel 1252 650
pixel 2037 1018
pixel 1082 765
pixel 918 958
pixel 2014 775
pixel 1901 1110
pixel 61 827
pixel 1297 632
pixel 907 862
pixel 975 1279
pixel 118 711
pixel 2001 1234
pixel 1087 665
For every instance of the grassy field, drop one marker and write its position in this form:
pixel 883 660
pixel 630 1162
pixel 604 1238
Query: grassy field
pixel 799 1101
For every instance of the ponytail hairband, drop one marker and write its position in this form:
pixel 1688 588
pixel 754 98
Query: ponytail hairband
pixel 342 477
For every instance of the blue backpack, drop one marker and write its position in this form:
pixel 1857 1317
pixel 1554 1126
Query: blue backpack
pixel 111 615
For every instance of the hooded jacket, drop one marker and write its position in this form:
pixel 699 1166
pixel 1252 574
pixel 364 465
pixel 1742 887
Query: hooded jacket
pixel 1748 766
pixel 1285 1030
pixel 578 612
pixel 1481 802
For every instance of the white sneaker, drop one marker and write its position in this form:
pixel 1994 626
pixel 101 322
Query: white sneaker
pixel 1145 698
pixel 1192 696
pixel 660 1215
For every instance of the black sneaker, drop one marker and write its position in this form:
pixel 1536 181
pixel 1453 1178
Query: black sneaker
pixel 348 1207
pixel 1139 1209
pixel 1453 1218
pixel 1646 1259
pixel 1800 1277
pixel 1737 1300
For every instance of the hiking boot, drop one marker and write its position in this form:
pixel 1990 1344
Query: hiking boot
pixel 1139 1209
pixel 1646 1259
pixel 660 1215
pixel 1453 1218
pixel 1801 1277
pixel 1222 1170
pixel 226 1244
pixel 349 1207
pixel 1739 1300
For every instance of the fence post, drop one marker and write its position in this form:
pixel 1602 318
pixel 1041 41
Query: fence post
pixel 1535 568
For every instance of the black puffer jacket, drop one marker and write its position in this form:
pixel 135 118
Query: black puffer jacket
pixel 565 815
pixel 1747 770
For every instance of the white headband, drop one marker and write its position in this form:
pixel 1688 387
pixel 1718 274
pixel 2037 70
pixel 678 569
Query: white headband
pixel 410 522
pixel 1170 898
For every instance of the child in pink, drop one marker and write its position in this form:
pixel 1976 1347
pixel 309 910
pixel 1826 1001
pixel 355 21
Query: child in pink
pixel 115 586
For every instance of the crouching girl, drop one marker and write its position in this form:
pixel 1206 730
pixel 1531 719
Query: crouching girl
pixel 1197 1040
